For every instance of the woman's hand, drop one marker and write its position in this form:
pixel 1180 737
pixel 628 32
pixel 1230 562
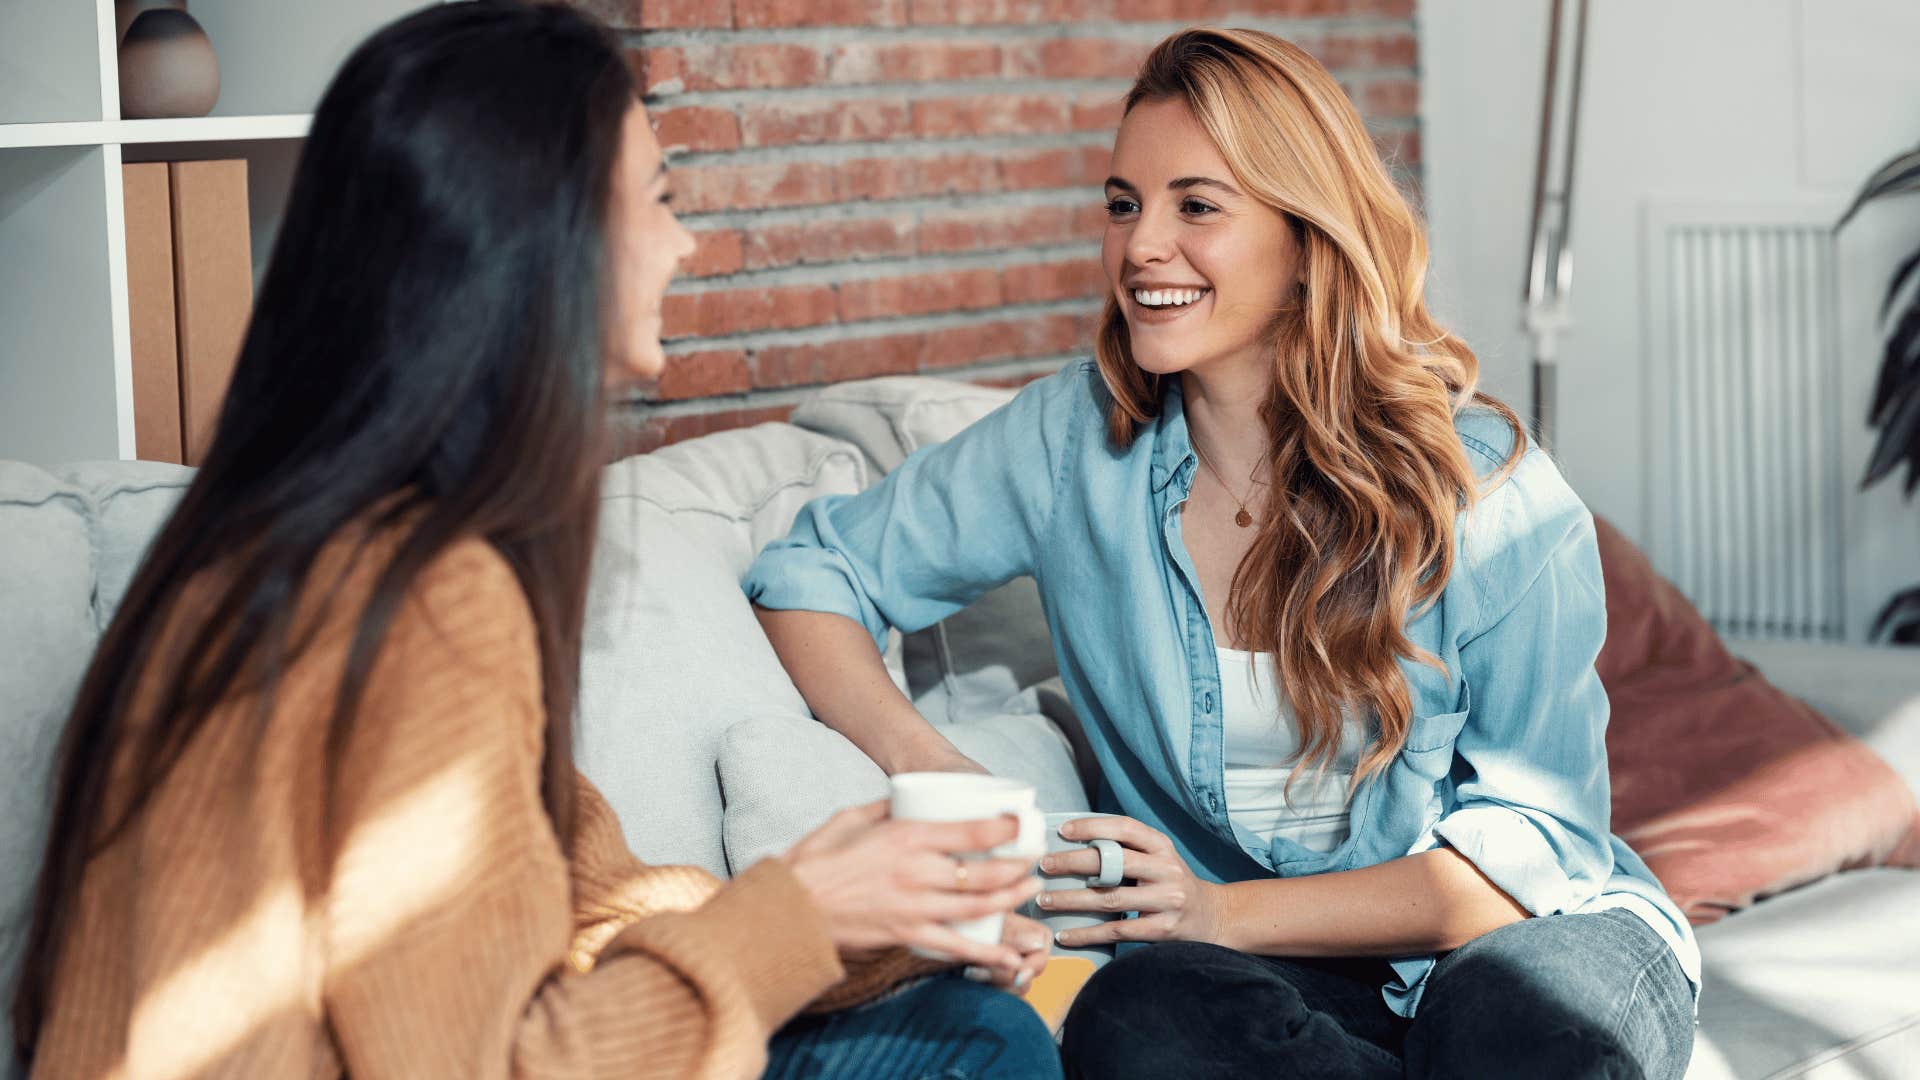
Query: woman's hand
pixel 883 884
pixel 1174 904
pixel 1026 937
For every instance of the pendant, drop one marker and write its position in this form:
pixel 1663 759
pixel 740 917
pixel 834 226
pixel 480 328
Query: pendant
pixel 1243 519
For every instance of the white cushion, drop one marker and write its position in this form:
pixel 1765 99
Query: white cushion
pixel 782 779
pixel 1820 982
pixel 672 655
pixel 1872 691
pixel 968 665
pixel 47 634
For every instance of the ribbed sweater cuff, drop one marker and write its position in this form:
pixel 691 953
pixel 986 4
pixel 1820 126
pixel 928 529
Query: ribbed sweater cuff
pixel 765 926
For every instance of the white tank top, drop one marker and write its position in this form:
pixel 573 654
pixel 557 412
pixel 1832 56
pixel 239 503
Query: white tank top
pixel 1260 742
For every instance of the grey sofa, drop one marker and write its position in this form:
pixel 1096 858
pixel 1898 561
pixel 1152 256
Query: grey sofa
pixel 706 750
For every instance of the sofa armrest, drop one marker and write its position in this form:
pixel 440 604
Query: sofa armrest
pixel 1873 692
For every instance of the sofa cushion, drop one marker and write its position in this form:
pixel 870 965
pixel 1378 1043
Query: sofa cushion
pixel 47 634
pixel 131 500
pixel 969 664
pixel 767 812
pixel 782 778
pixel 672 655
pixel 1730 789
pixel 1817 982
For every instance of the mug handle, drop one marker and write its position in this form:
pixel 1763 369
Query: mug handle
pixel 1112 864
pixel 1031 841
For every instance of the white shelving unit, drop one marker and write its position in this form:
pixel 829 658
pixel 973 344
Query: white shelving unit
pixel 66 370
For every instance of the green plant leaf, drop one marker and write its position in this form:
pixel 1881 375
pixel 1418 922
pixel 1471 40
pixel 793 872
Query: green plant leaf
pixel 1899 441
pixel 1899 365
pixel 1900 277
pixel 1899 621
pixel 1902 174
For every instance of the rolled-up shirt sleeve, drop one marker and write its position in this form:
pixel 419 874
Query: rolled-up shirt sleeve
pixel 952 522
pixel 1531 806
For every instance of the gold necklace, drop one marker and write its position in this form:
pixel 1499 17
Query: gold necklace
pixel 1242 519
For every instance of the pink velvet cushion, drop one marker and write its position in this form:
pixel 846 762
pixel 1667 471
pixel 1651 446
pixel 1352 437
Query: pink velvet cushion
pixel 1730 789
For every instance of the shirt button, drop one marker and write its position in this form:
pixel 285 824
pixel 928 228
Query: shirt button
pixel 1206 702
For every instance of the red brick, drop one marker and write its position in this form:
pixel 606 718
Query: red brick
pixel 919 294
pixel 703 374
pixel 1390 98
pixel 913 61
pixel 854 358
pixel 1007 339
pixel 697 127
pixel 785 123
pixel 719 252
pixel 661 14
pixel 1097 112
pixel 1069 279
pixel 1390 9
pixel 706 188
pixel 996 227
pixel 998 114
pixel 660 431
pixel 828 241
pixel 1075 58
pixel 1090 222
pixel 758 14
pixel 736 311
pixel 977 11
pixel 733 187
pixel 906 178
pixel 732 67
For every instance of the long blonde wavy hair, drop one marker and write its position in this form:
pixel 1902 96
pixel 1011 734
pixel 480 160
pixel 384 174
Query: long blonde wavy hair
pixel 1367 472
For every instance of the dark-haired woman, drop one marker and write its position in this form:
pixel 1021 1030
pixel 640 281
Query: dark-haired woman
pixel 315 813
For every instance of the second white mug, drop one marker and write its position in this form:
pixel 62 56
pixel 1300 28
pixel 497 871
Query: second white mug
pixel 937 796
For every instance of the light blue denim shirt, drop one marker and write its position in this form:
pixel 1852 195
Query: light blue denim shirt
pixel 1506 757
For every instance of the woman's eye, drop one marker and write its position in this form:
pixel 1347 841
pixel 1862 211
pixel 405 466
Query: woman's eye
pixel 666 198
pixel 1120 207
pixel 1195 207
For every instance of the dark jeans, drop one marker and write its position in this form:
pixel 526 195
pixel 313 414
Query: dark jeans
pixel 944 1028
pixel 1585 996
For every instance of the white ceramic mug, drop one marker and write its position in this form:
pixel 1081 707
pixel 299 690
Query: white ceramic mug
pixel 1109 875
pixel 938 796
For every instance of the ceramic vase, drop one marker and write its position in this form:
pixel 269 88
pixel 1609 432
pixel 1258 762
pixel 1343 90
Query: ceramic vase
pixel 167 66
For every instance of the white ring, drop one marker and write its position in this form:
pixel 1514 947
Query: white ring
pixel 1113 866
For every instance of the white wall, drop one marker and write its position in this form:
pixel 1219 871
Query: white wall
pixel 1760 102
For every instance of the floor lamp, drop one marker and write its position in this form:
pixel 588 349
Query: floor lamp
pixel 1550 249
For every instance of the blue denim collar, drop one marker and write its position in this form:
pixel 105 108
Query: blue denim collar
pixel 1172 448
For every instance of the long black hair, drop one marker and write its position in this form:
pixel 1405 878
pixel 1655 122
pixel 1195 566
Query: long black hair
pixel 425 348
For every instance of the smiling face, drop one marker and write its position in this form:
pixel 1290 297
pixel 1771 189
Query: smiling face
pixel 1198 267
pixel 645 244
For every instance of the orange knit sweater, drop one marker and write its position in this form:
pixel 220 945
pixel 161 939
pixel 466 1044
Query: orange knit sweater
pixel 445 935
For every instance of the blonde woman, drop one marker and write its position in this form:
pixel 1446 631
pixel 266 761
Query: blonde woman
pixel 1329 619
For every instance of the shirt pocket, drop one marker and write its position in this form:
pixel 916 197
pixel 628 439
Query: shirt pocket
pixel 1429 748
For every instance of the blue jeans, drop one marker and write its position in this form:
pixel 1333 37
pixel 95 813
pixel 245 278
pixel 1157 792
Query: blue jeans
pixel 1573 996
pixel 943 1028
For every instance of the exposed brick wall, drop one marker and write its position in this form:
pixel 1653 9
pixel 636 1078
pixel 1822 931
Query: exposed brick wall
pixel 893 186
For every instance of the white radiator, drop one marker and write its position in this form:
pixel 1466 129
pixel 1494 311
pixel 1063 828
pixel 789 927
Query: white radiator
pixel 1744 479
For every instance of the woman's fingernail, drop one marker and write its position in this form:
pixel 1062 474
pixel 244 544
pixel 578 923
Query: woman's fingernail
pixel 1047 864
pixel 1035 945
pixel 1021 980
pixel 1061 939
pixel 978 974
pixel 1044 899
